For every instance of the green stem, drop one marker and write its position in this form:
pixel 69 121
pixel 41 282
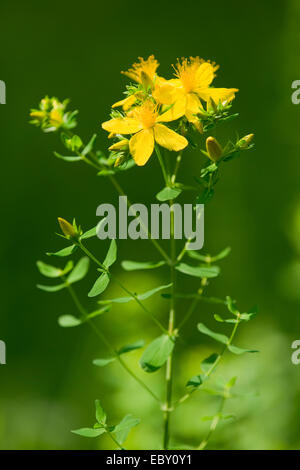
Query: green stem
pixel 213 425
pixel 169 365
pixel 114 439
pixel 162 165
pixel 102 337
pixel 131 294
pixel 177 165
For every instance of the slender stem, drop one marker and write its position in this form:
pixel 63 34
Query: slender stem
pixel 169 366
pixel 131 294
pixel 102 337
pixel 114 439
pixel 213 425
pixel 214 365
pixel 95 164
pixel 177 165
pixel 162 164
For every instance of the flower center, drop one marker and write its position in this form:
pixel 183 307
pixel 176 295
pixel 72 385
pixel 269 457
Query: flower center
pixel 146 114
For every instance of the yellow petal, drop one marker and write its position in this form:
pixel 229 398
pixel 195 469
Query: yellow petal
pixel 167 92
pixel 193 105
pixel 175 112
pixel 122 125
pixel 205 74
pixel 141 146
pixel 168 138
pixel 126 103
pixel 217 94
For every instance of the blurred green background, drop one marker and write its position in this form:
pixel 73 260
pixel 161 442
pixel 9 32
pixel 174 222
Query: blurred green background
pixel 69 50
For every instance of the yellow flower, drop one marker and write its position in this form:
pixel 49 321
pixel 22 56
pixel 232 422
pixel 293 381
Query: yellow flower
pixel 143 70
pixel 144 122
pixel 192 83
pixel 144 73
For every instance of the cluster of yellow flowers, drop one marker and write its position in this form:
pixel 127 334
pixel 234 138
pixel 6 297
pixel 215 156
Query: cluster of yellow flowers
pixel 156 100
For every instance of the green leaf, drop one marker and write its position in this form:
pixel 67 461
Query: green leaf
pixel 198 271
pixel 68 321
pixel 100 285
pixel 89 146
pixel 48 270
pixel 111 254
pixel 196 381
pixel 168 194
pixel 79 271
pixel 231 305
pixel 145 295
pixel 89 432
pixel 157 353
pixel 136 265
pixel 69 159
pixel 216 336
pixel 231 383
pixel 122 429
pixel 207 363
pixel 51 288
pixel 98 312
pixel 227 320
pixel 101 362
pixel 100 413
pixel 131 347
pixel 222 254
pixel 64 252
pixel 236 350
pixel 207 258
pixel 93 231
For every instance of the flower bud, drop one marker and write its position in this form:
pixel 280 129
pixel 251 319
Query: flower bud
pixel 213 148
pixel 67 229
pixel 121 145
pixel 245 142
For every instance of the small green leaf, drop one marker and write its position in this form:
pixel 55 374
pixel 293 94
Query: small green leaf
pixel 131 347
pixel 231 383
pixel 196 381
pixel 122 429
pixel 69 159
pixel 207 363
pixel 168 194
pixel 51 288
pixel 222 254
pixel 144 296
pixel 48 270
pixel 138 265
pixel 68 321
pixel 157 353
pixel 100 285
pixel 100 413
pixel 64 252
pixel 98 312
pixel 231 305
pixel 101 362
pixel 111 254
pixel 89 432
pixel 89 146
pixel 79 271
pixel 236 350
pixel 216 336
pixel 198 271
pixel 227 320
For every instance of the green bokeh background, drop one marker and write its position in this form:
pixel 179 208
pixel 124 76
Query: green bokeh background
pixel 77 50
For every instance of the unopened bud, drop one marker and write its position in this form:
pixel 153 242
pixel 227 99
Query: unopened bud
pixel 213 148
pixel 121 145
pixel 245 142
pixel 67 229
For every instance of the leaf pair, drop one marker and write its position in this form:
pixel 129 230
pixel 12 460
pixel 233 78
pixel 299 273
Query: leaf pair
pixel 120 430
pixel 77 273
